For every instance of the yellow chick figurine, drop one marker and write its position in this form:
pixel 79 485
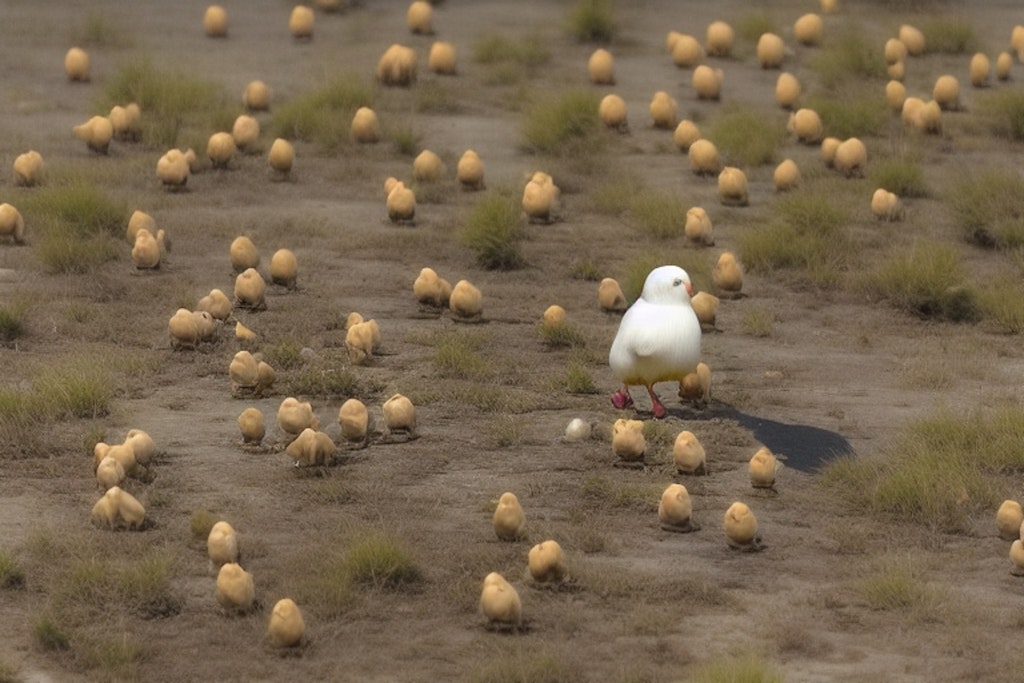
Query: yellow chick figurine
pixel 628 441
pixel 509 518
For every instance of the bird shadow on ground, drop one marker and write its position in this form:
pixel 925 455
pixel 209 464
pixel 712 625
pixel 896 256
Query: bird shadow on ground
pixel 804 448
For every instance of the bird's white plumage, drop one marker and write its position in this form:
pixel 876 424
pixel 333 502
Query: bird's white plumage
pixel 659 336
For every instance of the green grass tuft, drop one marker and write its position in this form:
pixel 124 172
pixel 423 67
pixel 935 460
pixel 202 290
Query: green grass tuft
pixel 201 524
pixel 808 236
pixel 11 573
pixel 592 21
pixel 380 561
pixel 927 280
pixel 901 175
pixel 754 23
pixel 49 635
pixel 176 106
pixel 457 356
pixel 860 113
pixel 561 335
pixel 564 126
pixel 747 669
pixel 949 35
pixel 989 207
pixel 850 58
pixel 1002 302
pixel 526 665
pixel 578 379
pixel 99 30
pixel 13 318
pixel 658 215
pixel 1003 112
pixel 324 115
pixel 746 137
pixel 494 230
pixel 943 468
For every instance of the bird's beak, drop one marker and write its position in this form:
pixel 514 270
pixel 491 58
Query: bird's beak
pixel 689 289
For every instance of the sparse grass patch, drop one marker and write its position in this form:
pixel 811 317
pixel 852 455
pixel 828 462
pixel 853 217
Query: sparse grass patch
pixel 953 35
pixel 737 669
pixel 80 226
pixel 927 280
pixel 324 115
pixel 848 58
pixel 49 635
pixel 942 468
pixel 564 126
pixel 901 175
pixel 13 317
pixel 325 584
pixel 99 30
pixel 807 235
pixel 381 561
pixel 526 665
pixel 176 106
pixel 1002 302
pixel 116 656
pixel 509 60
pixel 754 23
pixel 658 215
pixel 507 430
pixel 329 377
pixel 286 354
pixel 591 21
pixel 747 137
pixel 201 523
pixel 1003 111
pixel 434 97
pixel 9 673
pixel 457 356
pixel 79 203
pixel 585 269
pixel 897 585
pixel 11 573
pixel 561 335
pixel 860 113
pixel 493 230
pixel 578 379
pixel 599 491
pixel 615 197
pixel 758 322
pixel 989 207
pixel 404 137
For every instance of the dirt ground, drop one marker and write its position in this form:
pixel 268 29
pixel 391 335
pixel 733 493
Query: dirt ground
pixel 835 374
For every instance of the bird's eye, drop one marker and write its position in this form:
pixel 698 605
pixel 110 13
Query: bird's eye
pixel 677 282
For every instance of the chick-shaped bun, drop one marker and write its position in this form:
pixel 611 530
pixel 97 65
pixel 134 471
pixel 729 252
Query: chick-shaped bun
pixel 222 544
pixel 675 509
pixel 740 526
pixel 500 603
pixel 236 590
pixel 763 467
pixel 1009 518
pixel 509 519
pixel 354 419
pixel 688 454
pixel 286 627
pixel 546 562
pixel 628 441
pixel 251 425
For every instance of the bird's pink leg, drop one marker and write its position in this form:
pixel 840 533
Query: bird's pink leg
pixel 621 398
pixel 656 407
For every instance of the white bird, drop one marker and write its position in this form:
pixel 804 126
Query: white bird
pixel 658 339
